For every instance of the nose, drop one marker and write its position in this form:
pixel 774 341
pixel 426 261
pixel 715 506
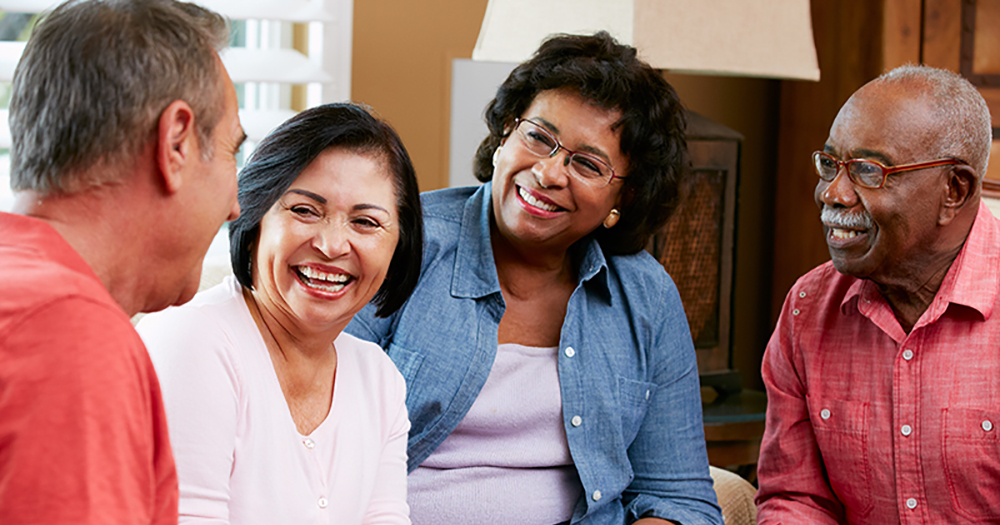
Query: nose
pixel 332 240
pixel 840 192
pixel 552 172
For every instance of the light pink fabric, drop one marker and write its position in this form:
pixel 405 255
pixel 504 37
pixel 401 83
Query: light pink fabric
pixel 239 456
pixel 508 461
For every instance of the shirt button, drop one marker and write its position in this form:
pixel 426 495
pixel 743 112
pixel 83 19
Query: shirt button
pixel 310 444
pixel 322 503
pixel 987 425
pixel 795 311
pixel 825 413
pixel 906 430
pixel 570 352
pixel 802 294
pixel 907 354
pixel 576 421
pixel 647 394
pixel 596 495
pixel 911 503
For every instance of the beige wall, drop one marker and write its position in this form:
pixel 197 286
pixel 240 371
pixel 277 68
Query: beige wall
pixel 401 67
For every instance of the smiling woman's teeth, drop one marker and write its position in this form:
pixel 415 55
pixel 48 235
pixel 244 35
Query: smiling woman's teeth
pixel 535 202
pixel 837 233
pixel 328 282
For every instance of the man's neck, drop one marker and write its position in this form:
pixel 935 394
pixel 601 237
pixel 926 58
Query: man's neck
pixel 103 228
pixel 912 294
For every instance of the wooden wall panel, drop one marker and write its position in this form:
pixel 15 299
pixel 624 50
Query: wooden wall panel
pixel 992 97
pixel 986 57
pixel 942 40
pixel 993 170
pixel 901 32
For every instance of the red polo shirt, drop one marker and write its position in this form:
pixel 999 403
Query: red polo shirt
pixel 869 424
pixel 83 436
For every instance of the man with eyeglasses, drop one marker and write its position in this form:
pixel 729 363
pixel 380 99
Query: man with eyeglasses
pixel 883 374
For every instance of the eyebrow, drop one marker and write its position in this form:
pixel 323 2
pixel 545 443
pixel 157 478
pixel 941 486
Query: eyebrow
pixel 584 148
pixel 318 198
pixel 862 153
pixel 359 207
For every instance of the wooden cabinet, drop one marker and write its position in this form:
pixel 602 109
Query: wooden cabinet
pixel 696 245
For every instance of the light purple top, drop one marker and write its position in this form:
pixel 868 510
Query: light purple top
pixel 239 456
pixel 508 461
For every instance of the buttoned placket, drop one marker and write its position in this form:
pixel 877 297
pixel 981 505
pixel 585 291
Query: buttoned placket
pixel 309 445
pixel 906 433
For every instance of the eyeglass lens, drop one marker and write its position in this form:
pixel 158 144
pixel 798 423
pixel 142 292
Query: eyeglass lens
pixel 539 141
pixel 862 172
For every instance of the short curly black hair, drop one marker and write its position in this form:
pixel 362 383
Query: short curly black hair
pixel 609 75
pixel 281 157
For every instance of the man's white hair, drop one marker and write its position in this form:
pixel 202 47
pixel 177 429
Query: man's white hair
pixel 966 131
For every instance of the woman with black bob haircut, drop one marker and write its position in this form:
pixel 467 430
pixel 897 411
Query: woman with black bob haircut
pixel 557 382
pixel 276 414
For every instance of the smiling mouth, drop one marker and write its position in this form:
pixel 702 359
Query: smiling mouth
pixel 327 282
pixel 530 199
pixel 838 233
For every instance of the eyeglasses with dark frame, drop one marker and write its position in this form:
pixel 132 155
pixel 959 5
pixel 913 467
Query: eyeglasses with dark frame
pixel 868 173
pixel 542 143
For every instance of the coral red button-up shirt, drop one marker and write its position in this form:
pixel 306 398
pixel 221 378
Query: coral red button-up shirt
pixel 868 424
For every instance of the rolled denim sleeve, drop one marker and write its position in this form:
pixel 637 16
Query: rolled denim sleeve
pixel 668 454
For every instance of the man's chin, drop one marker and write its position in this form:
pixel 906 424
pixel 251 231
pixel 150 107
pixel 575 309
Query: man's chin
pixel 850 267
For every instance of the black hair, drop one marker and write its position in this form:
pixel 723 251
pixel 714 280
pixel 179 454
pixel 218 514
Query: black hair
pixel 609 75
pixel 281 157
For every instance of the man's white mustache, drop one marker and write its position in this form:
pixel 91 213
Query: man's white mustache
pixel 844 219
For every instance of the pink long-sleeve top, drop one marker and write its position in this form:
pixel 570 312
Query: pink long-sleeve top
pixel 240 459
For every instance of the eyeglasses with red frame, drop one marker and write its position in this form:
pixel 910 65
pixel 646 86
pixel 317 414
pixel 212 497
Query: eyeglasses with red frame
pixel 868 173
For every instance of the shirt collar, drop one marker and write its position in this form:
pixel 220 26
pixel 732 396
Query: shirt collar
pixel 475 272
pixel 23 232
pixel 971 279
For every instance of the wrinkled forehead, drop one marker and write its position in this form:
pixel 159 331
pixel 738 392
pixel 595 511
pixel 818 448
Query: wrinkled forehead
pixel 896 119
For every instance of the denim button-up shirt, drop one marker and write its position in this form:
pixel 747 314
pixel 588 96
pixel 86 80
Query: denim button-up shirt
pixel 627 369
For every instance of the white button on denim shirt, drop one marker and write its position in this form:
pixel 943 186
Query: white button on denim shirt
pixel 625 316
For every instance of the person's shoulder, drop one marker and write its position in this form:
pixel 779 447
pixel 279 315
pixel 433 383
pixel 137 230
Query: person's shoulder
pixel 214 318
pixel 823 280
pixel 76 341
pixel 32 282
pixel 372 362
pixel 641 272
pixel 446 204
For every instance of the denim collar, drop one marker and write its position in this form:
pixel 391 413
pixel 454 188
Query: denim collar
pixel 475 273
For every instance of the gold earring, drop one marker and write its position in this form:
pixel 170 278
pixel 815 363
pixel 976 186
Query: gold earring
pixel 612 219
pixel 496 155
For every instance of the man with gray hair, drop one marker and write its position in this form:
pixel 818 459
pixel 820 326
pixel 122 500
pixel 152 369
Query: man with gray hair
pixel 125 132
pixel 883 374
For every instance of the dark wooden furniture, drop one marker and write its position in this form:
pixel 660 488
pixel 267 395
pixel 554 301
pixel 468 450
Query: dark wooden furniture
pixel 696 245
pixel 696 248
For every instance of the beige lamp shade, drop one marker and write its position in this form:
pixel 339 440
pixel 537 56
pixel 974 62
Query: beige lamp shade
pixel 756 38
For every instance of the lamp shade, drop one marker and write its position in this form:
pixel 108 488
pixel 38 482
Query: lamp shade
pixel 756 38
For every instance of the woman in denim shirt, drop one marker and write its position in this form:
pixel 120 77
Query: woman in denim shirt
pixel 550 372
